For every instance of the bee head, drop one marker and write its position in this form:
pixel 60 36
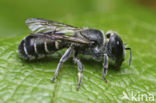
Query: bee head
pixel 115 48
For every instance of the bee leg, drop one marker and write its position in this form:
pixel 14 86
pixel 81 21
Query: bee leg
pixel 80 73
pixel 65 56
pixel 105 66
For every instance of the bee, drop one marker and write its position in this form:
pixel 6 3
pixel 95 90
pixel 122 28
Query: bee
pixel 49 37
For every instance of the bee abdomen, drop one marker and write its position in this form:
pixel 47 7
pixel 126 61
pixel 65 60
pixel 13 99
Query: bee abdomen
pixel 32 47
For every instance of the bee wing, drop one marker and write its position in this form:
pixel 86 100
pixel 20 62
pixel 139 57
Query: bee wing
pixel 62 37
pixel 76 39
pixel 37 25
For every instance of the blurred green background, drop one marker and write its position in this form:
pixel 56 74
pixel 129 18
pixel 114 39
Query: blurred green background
pixel 14 13
pixel 77 12
pixel 22 82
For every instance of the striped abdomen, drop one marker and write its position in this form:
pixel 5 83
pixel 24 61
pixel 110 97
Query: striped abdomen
pixel 36 47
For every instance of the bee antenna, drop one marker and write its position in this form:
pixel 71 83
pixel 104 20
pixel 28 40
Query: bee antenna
pixel 130 59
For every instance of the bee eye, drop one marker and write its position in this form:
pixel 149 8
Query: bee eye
pixel 108 35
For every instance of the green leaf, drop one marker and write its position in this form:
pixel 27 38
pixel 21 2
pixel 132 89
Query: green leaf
pixel 29 82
